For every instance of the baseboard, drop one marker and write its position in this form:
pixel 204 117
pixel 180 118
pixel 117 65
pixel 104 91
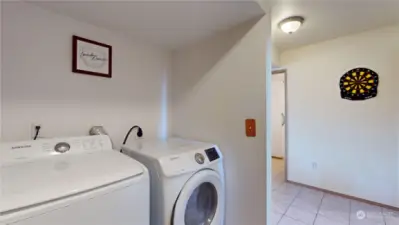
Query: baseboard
pixel 345 196
pixel 275 157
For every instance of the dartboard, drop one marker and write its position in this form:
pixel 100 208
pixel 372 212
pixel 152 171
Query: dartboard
pixel 359 84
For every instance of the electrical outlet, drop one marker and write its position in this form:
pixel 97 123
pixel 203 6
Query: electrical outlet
pixel 33 129
pixel 314 165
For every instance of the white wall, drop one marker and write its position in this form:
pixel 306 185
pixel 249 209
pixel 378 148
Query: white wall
pixel 39 87
pixel 1 62
pixel 354 143
pixel 397 136
pixel 216 85
pixel 275 57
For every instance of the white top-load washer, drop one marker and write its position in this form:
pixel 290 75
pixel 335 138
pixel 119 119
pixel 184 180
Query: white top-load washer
pixel 187 181
pixel 71 181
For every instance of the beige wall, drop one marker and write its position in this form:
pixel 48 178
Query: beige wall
pixel 275 57
pixel 1 70
pixel 216 85
pixel 397 136
pixel 39 87
pixel 354 143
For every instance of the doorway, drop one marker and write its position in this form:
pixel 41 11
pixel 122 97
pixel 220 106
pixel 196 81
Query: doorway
pixel 278 116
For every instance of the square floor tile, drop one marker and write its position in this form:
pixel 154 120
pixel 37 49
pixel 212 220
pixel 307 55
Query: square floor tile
pixel 356 206
pixel 367 222
pixel 280 206
pixel 301 214
pixel 391 220
pixel 391 216
pixel 283 197
pixel 335 215
pixel 289 221
pixel 334 200
pixel 335 208
pixel 297 205
pixel 365 219
pixel 275 217
pixel 311 207
pixel 321 220
pixel 311 195
pixel 363 213
pixel 283 192
pixel 308 200
pixel 287 188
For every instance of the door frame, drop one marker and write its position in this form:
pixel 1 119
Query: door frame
pixel 284 71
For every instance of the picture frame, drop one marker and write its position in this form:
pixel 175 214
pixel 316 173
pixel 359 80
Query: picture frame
pixel 91 57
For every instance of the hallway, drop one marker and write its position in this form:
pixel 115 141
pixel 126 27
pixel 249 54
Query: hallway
pixel 296 205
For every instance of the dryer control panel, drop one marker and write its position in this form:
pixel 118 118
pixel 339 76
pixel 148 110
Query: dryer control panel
pixel 190 161
pixel 212 154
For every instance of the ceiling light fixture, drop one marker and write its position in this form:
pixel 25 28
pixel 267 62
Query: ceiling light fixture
pixel 291 24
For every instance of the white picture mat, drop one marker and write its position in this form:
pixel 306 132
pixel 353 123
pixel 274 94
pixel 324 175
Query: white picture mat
pixel 89 63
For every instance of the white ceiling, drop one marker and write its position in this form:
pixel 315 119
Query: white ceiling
pixel 171 24
pixel 328 19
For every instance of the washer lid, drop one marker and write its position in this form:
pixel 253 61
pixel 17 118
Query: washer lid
pixel 40 181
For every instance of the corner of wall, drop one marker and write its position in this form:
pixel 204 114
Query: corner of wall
pixel 275 56
pixel 1 62
pixel 266 5
pixel 216 85
pixel 328 134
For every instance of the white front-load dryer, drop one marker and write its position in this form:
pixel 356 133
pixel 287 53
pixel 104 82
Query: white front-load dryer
pixel 187 180
pixel 71 181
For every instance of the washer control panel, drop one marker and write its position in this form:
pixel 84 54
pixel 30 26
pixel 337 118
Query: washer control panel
pixel 29 150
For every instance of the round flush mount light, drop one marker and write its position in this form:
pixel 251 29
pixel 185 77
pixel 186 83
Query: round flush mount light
pixel 291 24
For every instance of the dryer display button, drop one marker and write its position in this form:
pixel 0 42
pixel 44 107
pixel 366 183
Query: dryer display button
pixel 212 154
pixel 199 158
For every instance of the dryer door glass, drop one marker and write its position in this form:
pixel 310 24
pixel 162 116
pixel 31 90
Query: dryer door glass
pixel 201 200
pixel 201 206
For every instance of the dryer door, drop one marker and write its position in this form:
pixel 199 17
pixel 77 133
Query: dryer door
pixel 201 200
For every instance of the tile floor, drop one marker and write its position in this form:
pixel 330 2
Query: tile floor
pixel 295 205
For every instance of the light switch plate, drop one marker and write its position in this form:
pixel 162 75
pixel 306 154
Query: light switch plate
pixel 250 127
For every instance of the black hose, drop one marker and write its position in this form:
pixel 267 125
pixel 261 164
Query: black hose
pixel 139 133
pixel 37 128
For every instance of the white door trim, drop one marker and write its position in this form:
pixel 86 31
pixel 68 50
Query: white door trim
pixel 286 158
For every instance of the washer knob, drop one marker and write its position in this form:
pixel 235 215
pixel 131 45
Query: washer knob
pixel 62 147
pixel 199 158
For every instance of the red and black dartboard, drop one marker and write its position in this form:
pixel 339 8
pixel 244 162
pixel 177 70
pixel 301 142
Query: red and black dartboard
pixel 359 84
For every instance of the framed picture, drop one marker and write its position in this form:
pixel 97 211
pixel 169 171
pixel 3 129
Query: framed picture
pixel 91 57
